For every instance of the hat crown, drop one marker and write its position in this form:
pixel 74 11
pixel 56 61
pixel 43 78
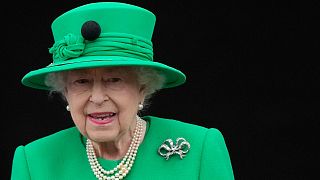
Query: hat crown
pixel 113 17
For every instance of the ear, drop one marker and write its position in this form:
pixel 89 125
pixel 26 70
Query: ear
pixel 65 94
pixel 142 92
pixel 142 89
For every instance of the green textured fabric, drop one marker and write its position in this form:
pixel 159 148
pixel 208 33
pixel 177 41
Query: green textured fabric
pixel 62 156
pixel 124 40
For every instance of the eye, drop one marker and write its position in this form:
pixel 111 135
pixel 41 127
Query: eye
pixel 81 81
pixel 114 80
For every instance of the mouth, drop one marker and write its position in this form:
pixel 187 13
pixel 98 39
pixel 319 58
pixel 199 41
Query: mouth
pixel 101 118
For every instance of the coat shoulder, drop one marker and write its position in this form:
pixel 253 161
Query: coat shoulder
pixel 61 139
pixel 175 128
pixel 174 124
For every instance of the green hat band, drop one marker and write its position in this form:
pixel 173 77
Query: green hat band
pixel 108 44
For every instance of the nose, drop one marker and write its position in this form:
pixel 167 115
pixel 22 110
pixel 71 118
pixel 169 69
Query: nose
pixel 98 94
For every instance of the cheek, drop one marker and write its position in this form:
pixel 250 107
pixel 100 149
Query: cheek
pixel 76 101
pixel 127 104
pixel 77 104
pixel 128 100
pixel 79 120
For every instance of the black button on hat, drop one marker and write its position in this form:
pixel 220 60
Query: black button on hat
pixel 90 30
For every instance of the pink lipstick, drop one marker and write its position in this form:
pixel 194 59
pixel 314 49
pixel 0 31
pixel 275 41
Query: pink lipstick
pixel 101 118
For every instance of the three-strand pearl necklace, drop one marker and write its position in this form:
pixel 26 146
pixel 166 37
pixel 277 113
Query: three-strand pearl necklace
pixel 123 168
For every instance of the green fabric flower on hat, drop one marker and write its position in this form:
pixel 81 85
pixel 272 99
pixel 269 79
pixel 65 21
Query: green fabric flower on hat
pixel 70 46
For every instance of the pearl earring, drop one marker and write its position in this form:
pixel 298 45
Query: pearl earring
pixel 68 108
pixel 140 106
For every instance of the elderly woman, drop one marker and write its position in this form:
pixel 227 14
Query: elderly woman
pixel 103 67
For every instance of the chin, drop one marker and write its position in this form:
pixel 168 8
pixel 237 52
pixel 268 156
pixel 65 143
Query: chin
pixel 102 136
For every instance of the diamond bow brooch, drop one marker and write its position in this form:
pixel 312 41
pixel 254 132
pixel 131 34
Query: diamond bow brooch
pixel 167 148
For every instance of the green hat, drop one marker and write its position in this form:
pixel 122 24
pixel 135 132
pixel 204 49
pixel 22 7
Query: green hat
pixel 103 34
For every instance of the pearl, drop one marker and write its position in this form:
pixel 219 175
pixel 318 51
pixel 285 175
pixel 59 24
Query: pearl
pixel 123 168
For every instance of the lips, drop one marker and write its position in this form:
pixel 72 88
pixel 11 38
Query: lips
pixel 101 118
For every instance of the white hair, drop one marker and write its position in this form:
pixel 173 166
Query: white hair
pixel 150 78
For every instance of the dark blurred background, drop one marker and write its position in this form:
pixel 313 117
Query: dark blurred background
pixel 252 72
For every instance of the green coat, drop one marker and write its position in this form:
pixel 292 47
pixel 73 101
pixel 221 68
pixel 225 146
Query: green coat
pixel 62 156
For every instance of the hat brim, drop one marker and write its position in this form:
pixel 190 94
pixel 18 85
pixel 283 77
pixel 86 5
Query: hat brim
pixel 35 79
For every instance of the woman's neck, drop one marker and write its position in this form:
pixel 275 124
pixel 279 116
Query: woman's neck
pixel 112 150
pixel 118 148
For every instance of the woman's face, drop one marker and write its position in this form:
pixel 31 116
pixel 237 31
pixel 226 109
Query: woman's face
pixel 103 101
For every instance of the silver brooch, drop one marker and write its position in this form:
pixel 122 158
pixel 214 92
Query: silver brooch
pixel 167 148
